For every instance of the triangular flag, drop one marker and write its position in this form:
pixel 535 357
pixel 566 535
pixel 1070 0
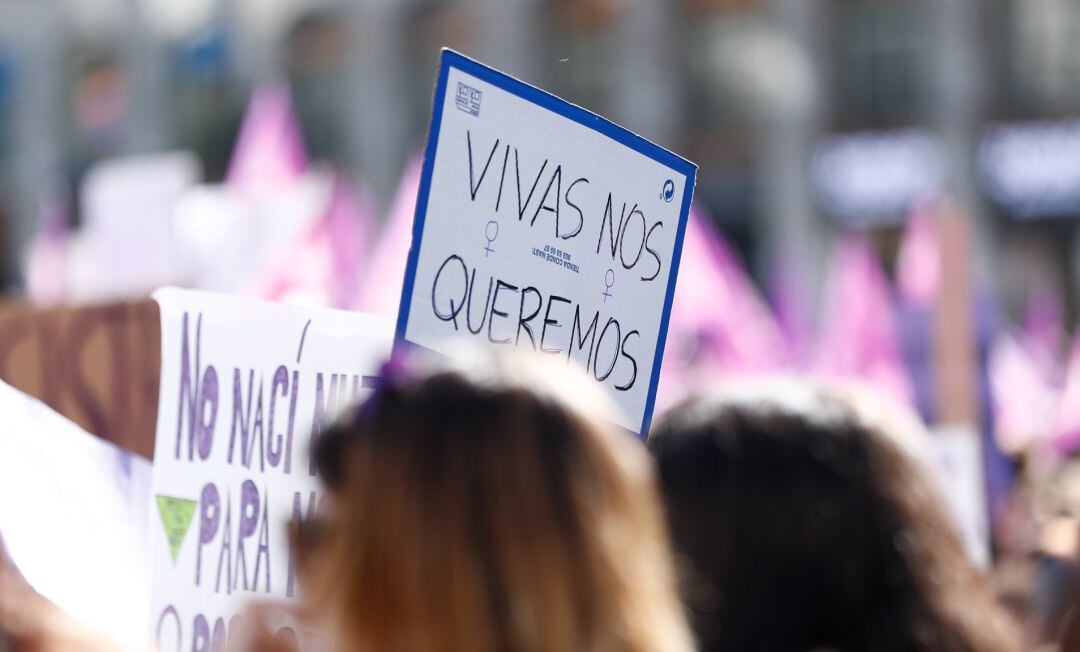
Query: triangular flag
pixel 386 273
pixel 269 154
pixel 349 224
pixel 720 325
pixel 918 262
pixel 1023 398
pixel 859 336
pixel 176 515
pixel 323 265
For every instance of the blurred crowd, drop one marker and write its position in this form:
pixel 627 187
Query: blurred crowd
pixel 807 118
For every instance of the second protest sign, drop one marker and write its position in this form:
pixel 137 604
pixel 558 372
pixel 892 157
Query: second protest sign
pixel 245 387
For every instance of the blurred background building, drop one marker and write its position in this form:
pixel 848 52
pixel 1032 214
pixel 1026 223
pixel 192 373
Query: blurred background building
pixel 806 116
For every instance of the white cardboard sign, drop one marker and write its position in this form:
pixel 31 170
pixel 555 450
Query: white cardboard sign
pixel 959 471
pixel 73 517
pixel 243 385
pixel 541 225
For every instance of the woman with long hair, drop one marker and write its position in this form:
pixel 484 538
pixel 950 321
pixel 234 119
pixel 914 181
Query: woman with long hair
pixel 486 505
pixel 803 521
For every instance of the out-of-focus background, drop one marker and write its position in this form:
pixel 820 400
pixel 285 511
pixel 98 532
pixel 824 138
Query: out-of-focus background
pixel 889 191
pixel 806 116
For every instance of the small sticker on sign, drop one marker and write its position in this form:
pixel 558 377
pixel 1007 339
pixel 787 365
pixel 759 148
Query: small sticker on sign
pixel 468 99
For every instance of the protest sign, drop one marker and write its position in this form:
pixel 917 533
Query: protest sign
pixel 127 244
pixel 73 517
pixel 541 225
pixel 958 468
pixel 96 365
pixel 244 384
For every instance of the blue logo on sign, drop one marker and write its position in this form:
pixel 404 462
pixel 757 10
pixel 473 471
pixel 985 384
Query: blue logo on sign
pixel 669 191
pixel 468 99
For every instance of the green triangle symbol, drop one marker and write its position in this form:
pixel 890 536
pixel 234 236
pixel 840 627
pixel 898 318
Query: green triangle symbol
pixel 176 516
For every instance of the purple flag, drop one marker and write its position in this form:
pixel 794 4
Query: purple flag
pixel 859 335
pixel 1066 431
pixel 1044 329
pixel 269 153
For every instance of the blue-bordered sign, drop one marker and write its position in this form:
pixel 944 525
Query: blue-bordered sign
pixel 542 225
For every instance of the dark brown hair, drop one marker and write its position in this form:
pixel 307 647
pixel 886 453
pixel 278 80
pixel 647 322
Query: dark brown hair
pixel 800 525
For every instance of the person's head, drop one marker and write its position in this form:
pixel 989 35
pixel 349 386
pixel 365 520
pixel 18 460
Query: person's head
pixel 482 505
pixel 801 523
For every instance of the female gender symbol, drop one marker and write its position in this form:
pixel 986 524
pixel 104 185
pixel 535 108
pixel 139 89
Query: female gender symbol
pixel 609 282
pixel 490 235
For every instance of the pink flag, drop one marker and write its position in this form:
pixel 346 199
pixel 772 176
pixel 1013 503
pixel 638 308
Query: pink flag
pixel 859 335
pixel 269 153
pixel 47 257
pixel 791 293
pixel 1023 398
pixel 918 263
pixel 324 266
pixel 720 325
pixel 381 292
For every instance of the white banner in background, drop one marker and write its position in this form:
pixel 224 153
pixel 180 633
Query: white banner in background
pixel 243 385
pixel 963 486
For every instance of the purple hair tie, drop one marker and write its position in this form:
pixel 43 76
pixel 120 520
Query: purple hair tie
pixel 394 372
